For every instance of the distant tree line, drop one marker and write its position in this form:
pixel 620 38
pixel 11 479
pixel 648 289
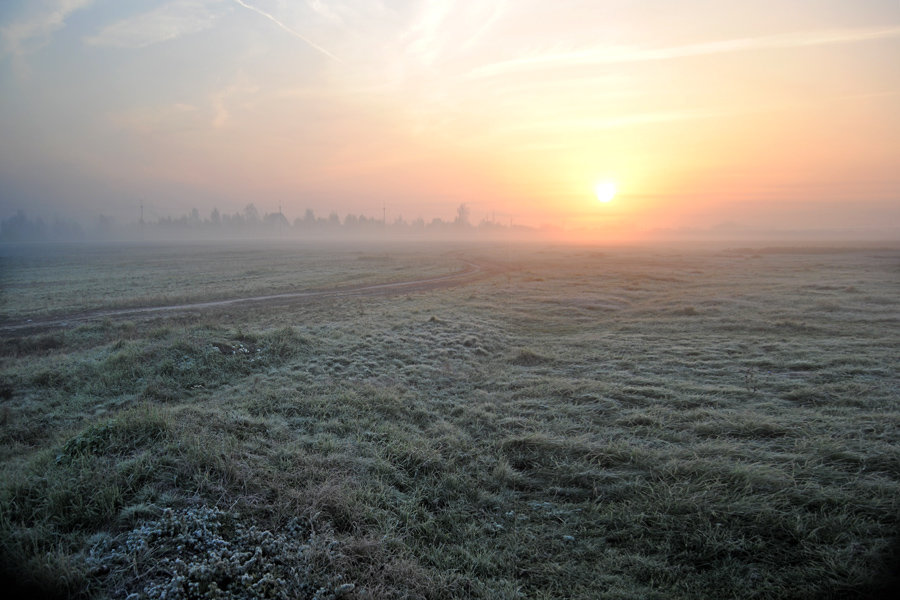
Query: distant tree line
pixel 248 222
pixel 19 228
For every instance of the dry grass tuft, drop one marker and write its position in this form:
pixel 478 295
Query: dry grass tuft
pixel 527 357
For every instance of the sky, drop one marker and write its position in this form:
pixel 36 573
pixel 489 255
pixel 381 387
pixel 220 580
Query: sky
pixel 706 115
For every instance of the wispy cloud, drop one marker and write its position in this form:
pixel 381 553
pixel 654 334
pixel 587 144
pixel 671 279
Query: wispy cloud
pixel 290 30
pixel 637 119
pixel 626 54
pixel 618 121
pixel 497 10
pixel 327 11
pixel 221 100
pixel 167 22
pixel 213 112
pixel 422 36
pixel 147 121
pixel 445 27
pixel 34 31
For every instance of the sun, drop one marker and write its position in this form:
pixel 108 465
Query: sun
pixel 605 190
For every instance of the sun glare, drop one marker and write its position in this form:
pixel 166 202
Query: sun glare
pixel 605 190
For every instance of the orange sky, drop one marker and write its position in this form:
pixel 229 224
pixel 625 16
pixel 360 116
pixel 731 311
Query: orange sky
pixel 757 114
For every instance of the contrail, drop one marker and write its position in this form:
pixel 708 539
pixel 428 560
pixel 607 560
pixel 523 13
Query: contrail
pixel 289 30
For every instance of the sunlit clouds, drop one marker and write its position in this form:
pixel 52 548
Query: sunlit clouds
pixel 701 114
pixel 625 54
pixel 161 24
pixel 35 28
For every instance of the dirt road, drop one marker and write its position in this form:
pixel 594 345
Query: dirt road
pixel 471 272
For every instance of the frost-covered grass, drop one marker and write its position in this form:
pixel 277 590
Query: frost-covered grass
pixel 40 280
pixel 614 424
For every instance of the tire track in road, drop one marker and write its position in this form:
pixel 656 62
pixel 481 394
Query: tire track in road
pixel 471 272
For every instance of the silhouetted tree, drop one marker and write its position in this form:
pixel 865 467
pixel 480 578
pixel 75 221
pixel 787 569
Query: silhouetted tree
pixel 19 228
pixel 251 215
pixel 104 225
pixel 67 229
pixel 276 220
pixel 308 221
pixel 462 216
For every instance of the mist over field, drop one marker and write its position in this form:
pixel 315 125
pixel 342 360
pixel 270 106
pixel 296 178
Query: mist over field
pixel 421 299
pixel 248 224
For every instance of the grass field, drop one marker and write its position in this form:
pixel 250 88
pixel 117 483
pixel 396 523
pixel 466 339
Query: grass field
pixel 583 423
